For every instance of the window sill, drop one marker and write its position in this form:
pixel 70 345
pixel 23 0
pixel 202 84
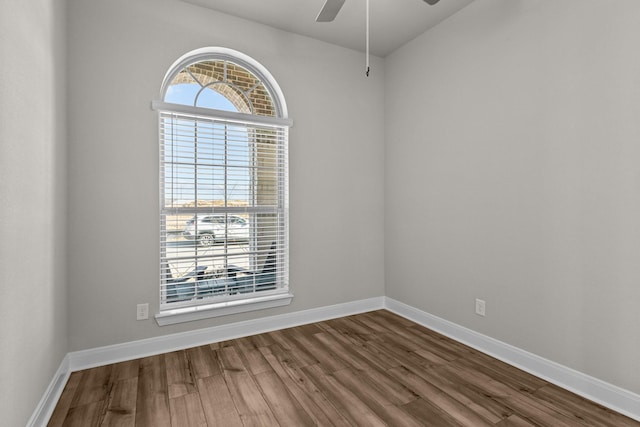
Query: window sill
pixel 189 314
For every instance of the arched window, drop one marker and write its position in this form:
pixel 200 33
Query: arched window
pixel 223 187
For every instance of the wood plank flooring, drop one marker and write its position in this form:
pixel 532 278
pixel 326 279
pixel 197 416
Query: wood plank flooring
pixel 371 369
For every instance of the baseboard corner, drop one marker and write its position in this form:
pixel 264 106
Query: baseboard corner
pixel 49 400
pixel 613 397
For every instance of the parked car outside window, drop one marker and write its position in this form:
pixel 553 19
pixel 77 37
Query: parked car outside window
pixel 210 228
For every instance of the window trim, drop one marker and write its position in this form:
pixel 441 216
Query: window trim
pixel 232 116
pixel 255 301
pixel 225 308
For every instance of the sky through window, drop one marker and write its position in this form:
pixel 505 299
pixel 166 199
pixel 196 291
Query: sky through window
pixel 208 161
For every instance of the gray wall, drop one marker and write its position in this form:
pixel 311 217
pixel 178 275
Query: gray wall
pixel 33 327
pixel 512 153
pixel 494 157
pixel 119 51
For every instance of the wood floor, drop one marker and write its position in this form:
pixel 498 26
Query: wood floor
pixel 370 369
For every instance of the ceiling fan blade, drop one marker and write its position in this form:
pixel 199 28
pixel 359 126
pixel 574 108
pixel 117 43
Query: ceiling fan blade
pixel 432 2
pixel 330 10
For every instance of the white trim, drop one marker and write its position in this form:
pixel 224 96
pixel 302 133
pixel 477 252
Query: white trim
pixel 211 113
pixel 199 312
pixel 85 359
pixel 611 396
pixel 608 395
pixel 47 404
pixel 148 347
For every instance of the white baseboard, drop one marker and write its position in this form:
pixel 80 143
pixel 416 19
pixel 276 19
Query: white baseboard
pixel 47 404
pixel 85 359
pixel 608 395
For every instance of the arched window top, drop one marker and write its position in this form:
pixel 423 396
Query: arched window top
pixel 223 79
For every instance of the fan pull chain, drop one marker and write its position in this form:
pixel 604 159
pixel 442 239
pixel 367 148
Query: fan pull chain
pixel 367 39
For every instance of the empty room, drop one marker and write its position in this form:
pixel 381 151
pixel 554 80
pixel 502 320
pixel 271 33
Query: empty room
pixel 320 212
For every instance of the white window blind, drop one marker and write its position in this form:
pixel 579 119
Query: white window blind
pixel 223 214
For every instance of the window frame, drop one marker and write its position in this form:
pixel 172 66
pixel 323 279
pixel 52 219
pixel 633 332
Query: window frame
pixel 171 313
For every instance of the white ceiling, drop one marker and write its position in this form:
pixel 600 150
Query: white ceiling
pixel 393 22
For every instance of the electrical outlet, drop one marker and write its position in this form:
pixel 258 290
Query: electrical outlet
pixel 480 307
pixel 143 311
